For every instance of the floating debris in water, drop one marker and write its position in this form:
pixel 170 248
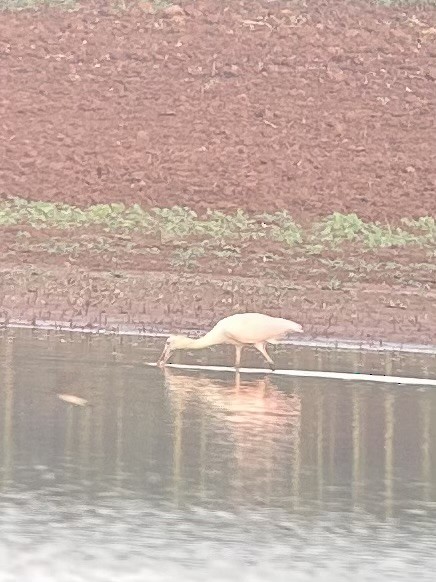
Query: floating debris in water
pixel 71 399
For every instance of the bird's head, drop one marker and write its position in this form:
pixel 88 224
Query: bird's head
pixel 173 343
pixel 296 327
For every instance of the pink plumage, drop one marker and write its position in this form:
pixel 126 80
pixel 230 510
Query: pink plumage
pixel 241 329
pixel 251 328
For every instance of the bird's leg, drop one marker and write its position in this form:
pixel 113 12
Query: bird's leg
pixel 262 349
pixel 238 356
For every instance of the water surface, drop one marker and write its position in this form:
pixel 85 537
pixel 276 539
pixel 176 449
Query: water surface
pixel 202 476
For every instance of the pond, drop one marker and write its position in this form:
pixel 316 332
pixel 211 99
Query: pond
pixel 195 475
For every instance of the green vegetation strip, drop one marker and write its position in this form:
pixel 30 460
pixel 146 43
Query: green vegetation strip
pixel 181 224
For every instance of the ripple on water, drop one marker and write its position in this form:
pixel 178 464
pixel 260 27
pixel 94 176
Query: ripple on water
pixel 129 541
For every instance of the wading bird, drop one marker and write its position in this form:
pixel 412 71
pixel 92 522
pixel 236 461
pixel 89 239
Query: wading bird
pixel 241 329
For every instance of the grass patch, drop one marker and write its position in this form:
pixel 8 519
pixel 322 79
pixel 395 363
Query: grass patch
pixel 339 228
pixel 337 251
pixel 223 233
pixel 187 258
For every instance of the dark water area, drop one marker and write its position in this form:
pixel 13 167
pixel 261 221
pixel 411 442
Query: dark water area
pixel 190 476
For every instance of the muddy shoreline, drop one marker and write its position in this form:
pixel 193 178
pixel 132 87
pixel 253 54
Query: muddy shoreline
pixel 131 331
pixel 157 302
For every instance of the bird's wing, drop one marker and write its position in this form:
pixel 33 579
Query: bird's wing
pixel 250 328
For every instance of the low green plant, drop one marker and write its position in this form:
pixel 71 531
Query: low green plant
pixel 232 255
pixel 283 228
pixel 239 225
pixel 217 230
pixel 377 236
pixel 339 228
pixel 187 257
pixel 175 222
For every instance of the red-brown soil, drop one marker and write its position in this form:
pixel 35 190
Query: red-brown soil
pixel 254 104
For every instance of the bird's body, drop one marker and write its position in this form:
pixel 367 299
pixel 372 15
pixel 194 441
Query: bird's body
pixel 241 329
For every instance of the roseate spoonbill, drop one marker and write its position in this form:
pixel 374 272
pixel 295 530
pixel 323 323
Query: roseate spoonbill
pixel 241 329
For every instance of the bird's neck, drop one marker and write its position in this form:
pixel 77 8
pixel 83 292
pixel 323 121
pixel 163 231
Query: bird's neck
pixel 209 339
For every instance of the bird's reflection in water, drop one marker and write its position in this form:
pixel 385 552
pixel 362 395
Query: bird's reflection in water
pixel 263 423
